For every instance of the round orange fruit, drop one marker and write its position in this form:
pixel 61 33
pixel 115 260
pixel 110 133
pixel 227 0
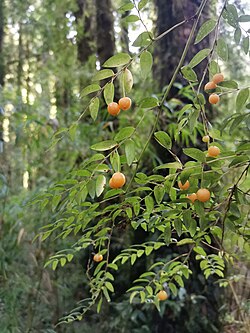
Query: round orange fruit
pixel 210 86
pixel 124 103
pixel 213 151
pixel 217 78
pixel 214 99
pixel 113 109
pixel 118 180
pixel 203 195
pixel 162 295
pixel 98 257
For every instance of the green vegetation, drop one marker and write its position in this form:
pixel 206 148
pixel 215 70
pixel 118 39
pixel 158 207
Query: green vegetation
pixel 124 153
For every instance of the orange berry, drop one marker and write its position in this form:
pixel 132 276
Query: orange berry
pixel 111 184
pixel 213 151
pixel 210 85
pixel 184 186
pixel 162 295
pixel 125 103
pixel 113 109
pixel 98 257
pixel 203 195
pixel 192 197
pixel 217 78
pixel 118 180
pixel 214 99
pixel 206 138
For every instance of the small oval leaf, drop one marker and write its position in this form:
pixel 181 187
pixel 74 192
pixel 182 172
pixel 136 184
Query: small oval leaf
pixel 201 55
pixel 204 30
pixel 146 62
pixel 94 108
pixel 109 92
pixel 117 60
pixel 104 145
pixel 90 89
pixel 163 139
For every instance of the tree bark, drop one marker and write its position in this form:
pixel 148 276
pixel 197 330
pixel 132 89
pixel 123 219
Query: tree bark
pixel 105 30
pixel 169 49
pixel 85 34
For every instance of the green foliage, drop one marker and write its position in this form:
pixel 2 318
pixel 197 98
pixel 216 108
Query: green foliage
pixel 80 214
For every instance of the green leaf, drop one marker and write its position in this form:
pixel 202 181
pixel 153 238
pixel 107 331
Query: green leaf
pixel 90 89
pixel 148 250
pixel 126 7
pixel 200 250
pixel 72 131
pixel 163 139
pixel 133 258
pixel 245 44
pixel 99 305
pixel 167 234
pixel 130 19
pixel 109 286
pixel 143 39
pixel 149 102
pixel 130 151
pixel 193 120
pixel 159 192
pixel 103 74
pixel 124 133
pixel 189 74
pixel 185 241
pixel 192 227
pixel 54 264
pixel 146 62
pixel 231 16
pixel 91 188
pixel 117 60
pixel 195 154
pixel 127 80
pixel 113 266
pixel 244 18
pixel 201 55
pixel 237 35
pixel 172 165
pixel 115 161
pixel 100 184
pixel 241 99
pixel 142 4
pixel 179 280
pixel 178 226
pixel 229 84
pixel 69 257
pixel 55 201
pixel 94 108
pixel 173 288
pixel 204 30
pixel 214 68
pixel 106 294
pixel 222 49
pixel 149 202
pixel 109 92
pixel 104 145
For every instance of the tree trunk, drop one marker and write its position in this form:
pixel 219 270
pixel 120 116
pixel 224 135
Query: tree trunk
pixel 169 49
pixel 85 34
pixel 105 30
